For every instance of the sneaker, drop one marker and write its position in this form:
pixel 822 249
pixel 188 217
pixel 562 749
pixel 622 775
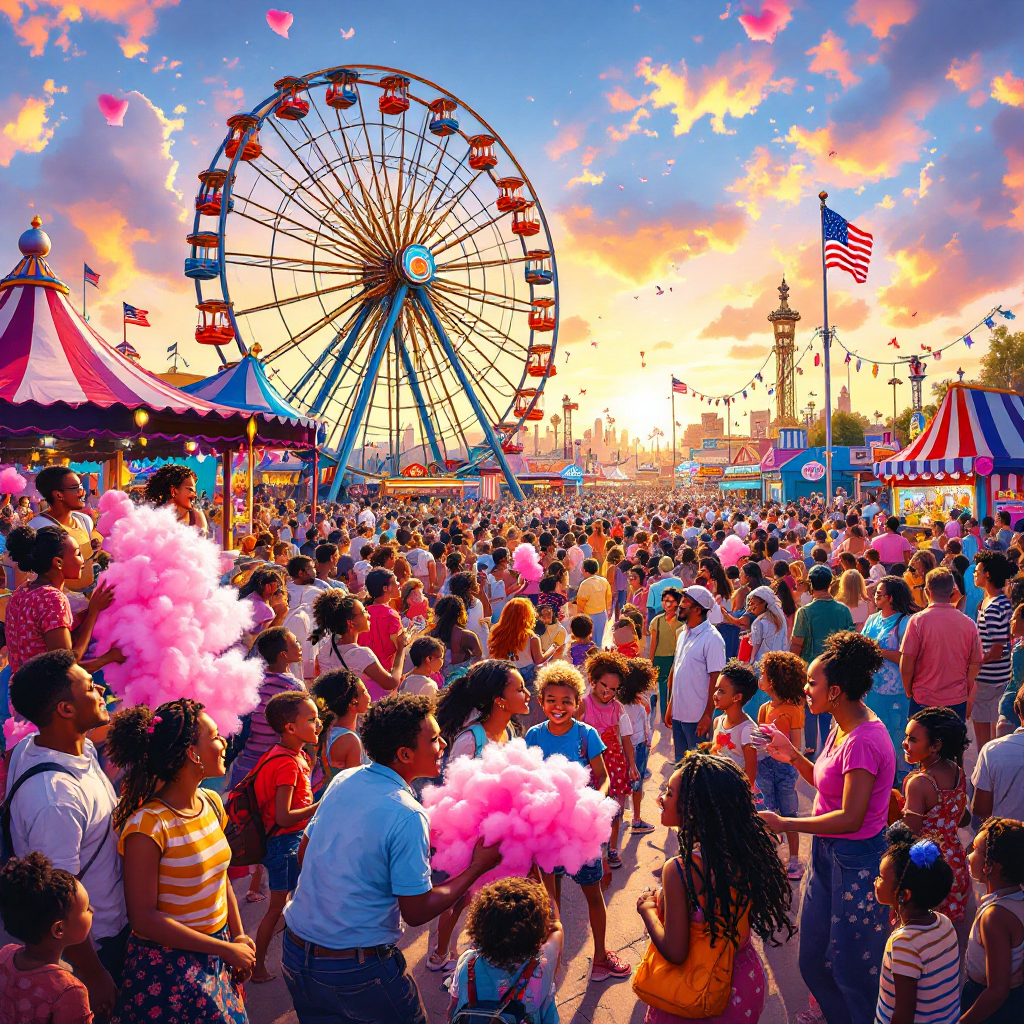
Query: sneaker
pixel 795 871
pixel 610 967
pixel 640 828
pixel 440 961
pixel 614 860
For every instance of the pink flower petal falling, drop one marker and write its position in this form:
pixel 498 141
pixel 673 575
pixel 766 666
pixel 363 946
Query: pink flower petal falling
pixel 113 109
pixel 171 618
pixel 280 22
pixel 11 481
pixel 535 809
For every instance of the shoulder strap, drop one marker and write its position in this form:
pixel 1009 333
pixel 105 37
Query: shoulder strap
pixel 471 983
pixel 583 741
pixel 517 986
pixel 479 738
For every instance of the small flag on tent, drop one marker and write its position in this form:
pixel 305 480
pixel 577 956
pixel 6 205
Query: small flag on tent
pixel 678 386
pixel 744 394
pixel 846 246
pixel 126 348
pixel 172 349
pixel 133 315
pixel 874 370
pixel 1007 314
pixel 936 355
pixel 990 323
pixel 91 277
pixel 848 358
pixel 967 340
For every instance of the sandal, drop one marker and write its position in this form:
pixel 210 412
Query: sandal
pixel 254 896
pixel 440 961
pixel 614 860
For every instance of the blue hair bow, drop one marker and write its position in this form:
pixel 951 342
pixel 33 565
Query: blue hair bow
pixel 925 853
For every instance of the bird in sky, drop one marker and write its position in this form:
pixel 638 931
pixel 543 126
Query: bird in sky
pixel 894 343
pixel 583 391
pixel 658 290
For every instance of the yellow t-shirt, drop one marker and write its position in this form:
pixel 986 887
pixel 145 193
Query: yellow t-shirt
pixel 82 529
pixel 194 860
pixel 594 596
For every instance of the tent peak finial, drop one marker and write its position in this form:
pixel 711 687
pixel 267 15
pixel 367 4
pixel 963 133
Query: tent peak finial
pixel 35 241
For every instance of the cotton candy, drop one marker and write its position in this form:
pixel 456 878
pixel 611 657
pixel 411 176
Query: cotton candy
pixel 732 550
pixel 535 809
pixel 11 481
pixel 170 617
pixel 526 563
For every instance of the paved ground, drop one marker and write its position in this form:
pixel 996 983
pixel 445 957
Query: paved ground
pixel 610 1002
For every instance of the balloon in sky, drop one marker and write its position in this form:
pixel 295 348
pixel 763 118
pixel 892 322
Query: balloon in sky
pixel 280 22
pixel 113 109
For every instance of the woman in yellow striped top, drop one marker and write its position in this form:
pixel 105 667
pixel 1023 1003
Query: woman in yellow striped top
pixel 187 953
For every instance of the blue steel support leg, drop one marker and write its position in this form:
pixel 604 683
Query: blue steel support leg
pixel 417 394
pixel 380 346
pixel 339 363
pixel 449 350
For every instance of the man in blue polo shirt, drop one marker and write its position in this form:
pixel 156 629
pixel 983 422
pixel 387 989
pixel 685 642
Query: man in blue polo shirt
pixel 365 860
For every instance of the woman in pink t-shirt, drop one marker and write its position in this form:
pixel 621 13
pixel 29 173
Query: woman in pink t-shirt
pixel 843 930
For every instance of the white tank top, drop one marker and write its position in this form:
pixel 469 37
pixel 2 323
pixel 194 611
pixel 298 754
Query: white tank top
pixel 1013 902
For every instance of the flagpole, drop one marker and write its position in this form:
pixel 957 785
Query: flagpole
pixel 83 292
pixel 826 339
pixel 672 386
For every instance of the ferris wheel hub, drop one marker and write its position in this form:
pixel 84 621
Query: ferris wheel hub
pixel 415 264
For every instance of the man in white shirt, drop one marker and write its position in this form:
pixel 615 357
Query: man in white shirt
pixel 366 517
pixel 64 811
pixel 998 773
pixel 699 657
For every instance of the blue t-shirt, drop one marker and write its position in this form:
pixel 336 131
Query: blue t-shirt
pixel 570 745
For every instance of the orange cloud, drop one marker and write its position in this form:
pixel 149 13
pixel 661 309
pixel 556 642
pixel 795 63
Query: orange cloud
pixel 1009 90
pixel 881 15
pixel 573 329
pixel 24 126
pixel 631 127
pixel 620 100
pixel 769 179
pixel 749 351
pixel 1014 182
pixel 832 60
pixel 636 247
pixel 965 74
pixel 568 138
pixel 735 87
pixel 586 177
pixel 34 21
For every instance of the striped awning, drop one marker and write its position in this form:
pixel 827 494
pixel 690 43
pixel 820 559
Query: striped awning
pixel 971 423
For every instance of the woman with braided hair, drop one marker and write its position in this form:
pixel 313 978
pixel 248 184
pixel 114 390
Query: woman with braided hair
pixel 727 877
pixel 175 486
pixel 842 928
pixel 187 935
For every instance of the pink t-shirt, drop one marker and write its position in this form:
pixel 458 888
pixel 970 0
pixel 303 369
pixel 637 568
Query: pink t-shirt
pixel 890 547
pixel 869 747
pixel 945 642
pixel 32 612
pixel 44 995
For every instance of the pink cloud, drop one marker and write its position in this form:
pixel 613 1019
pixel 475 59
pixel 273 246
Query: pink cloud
pixel 764 27
pixel 568 138
pixel 621 101
pixel 965 74
pixel 832 60
pixel 880 16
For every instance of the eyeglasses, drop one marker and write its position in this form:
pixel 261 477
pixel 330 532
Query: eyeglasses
pixel 74 487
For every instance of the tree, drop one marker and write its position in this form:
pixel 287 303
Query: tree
pixel 847 430
pixel 1002 366
pixel 556 421
pixel 903 421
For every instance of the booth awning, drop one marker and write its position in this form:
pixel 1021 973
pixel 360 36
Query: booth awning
pixel 971 422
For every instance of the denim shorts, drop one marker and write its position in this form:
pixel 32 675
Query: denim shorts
pixel 282 861
pixel 640 753
pixel 777 782
pixel 591 873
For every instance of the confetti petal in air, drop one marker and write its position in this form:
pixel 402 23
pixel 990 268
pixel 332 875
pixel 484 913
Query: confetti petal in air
pixel 279 22
pixel 347 33
pixel 113 109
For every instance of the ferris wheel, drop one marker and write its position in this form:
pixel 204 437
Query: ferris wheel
pixel 372 241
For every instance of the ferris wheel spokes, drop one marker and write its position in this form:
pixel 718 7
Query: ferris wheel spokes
pixel 426 420
pixel 331 380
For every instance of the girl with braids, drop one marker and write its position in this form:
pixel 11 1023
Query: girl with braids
pixel 936 797
pixel 461 645
pixel 187 935
pixel 994 991
pixel 841 953
pixel 475 710
pixel 342 697
pixel 176 486
pixel 727 880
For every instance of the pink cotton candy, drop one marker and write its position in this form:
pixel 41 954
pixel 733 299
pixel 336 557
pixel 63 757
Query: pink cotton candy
pixel 15 730
pixel 170 617
pixel 535 809
pixel 11 481
pixel 732 550
pixel 526 562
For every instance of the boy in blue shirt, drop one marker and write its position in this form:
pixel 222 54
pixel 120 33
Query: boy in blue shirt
pixel 559 689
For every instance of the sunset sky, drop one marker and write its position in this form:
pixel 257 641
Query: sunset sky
pixel 675 145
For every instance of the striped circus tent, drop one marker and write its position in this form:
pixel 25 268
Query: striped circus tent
pixel 972 423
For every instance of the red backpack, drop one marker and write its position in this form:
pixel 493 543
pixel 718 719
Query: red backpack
pixel 246 834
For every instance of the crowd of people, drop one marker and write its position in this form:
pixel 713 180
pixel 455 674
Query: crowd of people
pixel 766 650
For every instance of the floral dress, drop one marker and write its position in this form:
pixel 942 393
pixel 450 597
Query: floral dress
pixel 605 718
pixel 943 820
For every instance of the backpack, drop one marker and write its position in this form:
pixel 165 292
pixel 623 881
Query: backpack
pixel 245 832
pixel 6 842
pixel 508 1010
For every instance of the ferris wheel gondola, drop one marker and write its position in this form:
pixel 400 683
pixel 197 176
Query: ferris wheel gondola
pixel 389 255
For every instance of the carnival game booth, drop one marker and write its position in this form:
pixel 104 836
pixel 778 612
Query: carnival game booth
pixel 560 475
pixel 971 456
pixel 804 473
pixel 67 395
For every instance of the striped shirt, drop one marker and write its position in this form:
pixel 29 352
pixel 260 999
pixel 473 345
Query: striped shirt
pixel 994 627
pixel 931 955
pixel 194 859
pixel 261 737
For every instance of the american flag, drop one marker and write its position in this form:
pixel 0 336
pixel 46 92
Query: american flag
pixel 846 246
pixel 135 316
pixel 91 277
pixel 678 386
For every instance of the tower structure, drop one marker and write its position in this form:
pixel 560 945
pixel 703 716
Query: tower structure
pixel 783 321
pixel 568 407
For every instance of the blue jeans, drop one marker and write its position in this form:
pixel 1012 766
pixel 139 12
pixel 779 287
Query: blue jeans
pixel 960 709
pixel 282 861
pixel 842 929
pixel 684 737
pixel 777 782
pixel 326 991
pixel 815 725
pixel 600 620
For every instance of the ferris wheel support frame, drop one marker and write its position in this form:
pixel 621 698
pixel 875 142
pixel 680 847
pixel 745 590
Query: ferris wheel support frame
pixel 417 393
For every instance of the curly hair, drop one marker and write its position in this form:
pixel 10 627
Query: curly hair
pixel 739 865
pixel 513 630
pixel 476 691
pixel 333 612
pixel 559 673
pixel 158 488
pixel 641 676
pixel 944 727
pixel 787 674
pixel 35 550
pixel 34 895
pixel 150 747
pixel 508 921
pixel 602 663
pixel 334 693
pixel 392 723
pixel 850 661
pixel 742 677
pixel 1005 847
pixel 928 884
pixel 40 684
pixel 997 565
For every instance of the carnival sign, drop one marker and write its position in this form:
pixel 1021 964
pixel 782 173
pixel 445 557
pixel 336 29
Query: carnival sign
pixel 813 471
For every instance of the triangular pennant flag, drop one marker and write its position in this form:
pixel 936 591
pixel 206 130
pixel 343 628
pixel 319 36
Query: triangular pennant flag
pixel 858 366
pixel 967 340
pixel 1007 314
pixel 990 323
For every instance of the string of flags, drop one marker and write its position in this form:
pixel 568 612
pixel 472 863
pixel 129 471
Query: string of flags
pixel 680 388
